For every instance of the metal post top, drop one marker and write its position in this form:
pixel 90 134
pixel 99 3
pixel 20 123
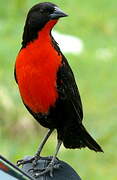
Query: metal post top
pixel 65 172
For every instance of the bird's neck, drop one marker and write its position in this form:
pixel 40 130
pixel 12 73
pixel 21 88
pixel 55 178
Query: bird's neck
pixel 48 27
pixel 43 34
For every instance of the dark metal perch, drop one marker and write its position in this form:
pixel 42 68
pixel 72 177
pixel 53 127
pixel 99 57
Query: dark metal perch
pixel 64 172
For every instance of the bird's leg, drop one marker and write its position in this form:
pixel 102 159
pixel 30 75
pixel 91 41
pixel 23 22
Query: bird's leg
pixel 36 157
pixel 51 166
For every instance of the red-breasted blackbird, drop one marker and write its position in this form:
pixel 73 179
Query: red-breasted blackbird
pixel 47 85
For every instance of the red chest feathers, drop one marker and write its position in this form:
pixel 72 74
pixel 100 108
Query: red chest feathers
pixel 36 71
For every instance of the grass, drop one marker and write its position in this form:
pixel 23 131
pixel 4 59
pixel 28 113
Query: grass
pixel 95 71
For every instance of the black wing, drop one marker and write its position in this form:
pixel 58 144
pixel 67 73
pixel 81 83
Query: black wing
pixel 68 89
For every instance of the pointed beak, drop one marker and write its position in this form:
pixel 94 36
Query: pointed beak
pixel 58 13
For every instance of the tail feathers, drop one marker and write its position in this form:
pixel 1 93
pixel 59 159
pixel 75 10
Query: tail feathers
pixel 80 138
pixel 89 141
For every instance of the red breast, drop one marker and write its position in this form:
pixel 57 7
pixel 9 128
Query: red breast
pixel 36 71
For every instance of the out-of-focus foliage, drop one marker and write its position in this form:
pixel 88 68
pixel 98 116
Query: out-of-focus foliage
pixel 95 22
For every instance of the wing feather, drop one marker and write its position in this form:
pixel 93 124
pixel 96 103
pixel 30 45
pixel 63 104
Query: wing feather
pixel 68 89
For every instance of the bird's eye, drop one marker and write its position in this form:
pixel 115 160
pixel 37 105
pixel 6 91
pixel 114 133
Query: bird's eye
pixel 41 10
pixel 47 10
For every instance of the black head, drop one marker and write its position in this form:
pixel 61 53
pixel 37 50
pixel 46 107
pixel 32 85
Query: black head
pixel 37 17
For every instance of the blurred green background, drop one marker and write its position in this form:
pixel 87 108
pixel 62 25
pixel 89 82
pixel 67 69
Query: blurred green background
pixel 95 22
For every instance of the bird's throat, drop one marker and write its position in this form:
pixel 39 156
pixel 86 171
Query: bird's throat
pixel 31 35
pixel 48 27
pixel 45 33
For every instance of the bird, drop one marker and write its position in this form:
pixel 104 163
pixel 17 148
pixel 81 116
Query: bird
pixel 47 84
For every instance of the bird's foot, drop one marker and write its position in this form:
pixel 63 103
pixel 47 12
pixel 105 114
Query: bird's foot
pixel 49 169
pixel 26 160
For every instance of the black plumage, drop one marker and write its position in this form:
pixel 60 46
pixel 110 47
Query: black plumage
pixel 67 113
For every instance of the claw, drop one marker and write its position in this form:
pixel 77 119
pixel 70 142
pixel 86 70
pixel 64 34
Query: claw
pixel 49 169
pixel 36 169
pixel 26 160
pixel 19 162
